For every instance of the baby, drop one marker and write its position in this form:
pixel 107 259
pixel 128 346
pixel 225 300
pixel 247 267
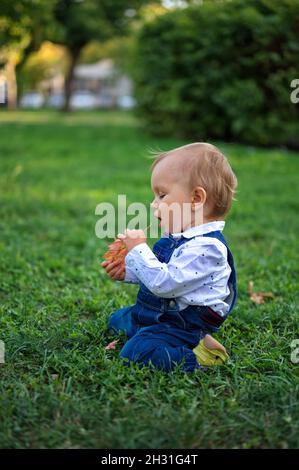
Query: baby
pixel 188 281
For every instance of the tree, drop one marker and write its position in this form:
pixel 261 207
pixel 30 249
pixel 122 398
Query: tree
pixel 81 21
pixel 23 26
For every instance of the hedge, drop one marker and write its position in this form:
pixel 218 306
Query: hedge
pixel 221 70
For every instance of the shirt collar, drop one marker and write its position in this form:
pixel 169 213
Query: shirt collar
pixel 201 229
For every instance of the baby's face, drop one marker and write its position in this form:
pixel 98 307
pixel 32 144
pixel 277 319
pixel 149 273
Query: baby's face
pixel 172 202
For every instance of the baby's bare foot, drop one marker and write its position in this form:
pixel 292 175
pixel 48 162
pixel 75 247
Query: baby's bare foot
pixel 212 343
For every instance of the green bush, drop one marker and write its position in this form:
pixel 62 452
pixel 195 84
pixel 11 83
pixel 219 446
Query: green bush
pixel 221 70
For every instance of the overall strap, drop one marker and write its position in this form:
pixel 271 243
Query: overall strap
pixel 165 246
pixel 232 281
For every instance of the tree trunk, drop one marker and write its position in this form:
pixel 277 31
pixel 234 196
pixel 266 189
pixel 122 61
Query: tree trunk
pixel 68 84
pixel 20 87
pixel 31 47
pixel 10 72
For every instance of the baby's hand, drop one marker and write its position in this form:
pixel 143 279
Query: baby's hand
pixel 132 238
pixel 115 269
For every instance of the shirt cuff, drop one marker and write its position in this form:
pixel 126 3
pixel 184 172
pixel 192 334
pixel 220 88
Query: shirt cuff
pixel 140 254
pixel 143 262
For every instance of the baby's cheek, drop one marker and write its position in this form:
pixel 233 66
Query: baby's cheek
pixel 167 214
pixel 164 209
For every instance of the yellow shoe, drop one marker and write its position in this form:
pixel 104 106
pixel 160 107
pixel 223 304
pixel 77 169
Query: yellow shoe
pixel 210 352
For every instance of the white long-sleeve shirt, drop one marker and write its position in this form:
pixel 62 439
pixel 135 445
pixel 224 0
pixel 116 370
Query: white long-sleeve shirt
pixel 196 274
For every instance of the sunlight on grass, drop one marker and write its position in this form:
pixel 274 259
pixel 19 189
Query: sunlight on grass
pixel 92 118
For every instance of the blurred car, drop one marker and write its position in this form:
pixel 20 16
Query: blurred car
pixel 55 100
pixel 83 99
pixel 126 102
pixel 105 101
pixel 32 99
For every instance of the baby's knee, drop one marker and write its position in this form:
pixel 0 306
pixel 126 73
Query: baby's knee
pixel 132 351
pixel 161 359
pixel 114 323
pixel 121 321
pixel 147 355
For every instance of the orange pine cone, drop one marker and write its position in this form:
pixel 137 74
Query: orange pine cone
pixel 117 251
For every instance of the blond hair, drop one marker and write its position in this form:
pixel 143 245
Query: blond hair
pixel 204 165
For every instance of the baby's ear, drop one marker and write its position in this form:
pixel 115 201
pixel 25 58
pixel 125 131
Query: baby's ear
pixel 199 196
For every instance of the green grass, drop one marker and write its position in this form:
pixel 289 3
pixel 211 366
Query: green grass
pixel 59 386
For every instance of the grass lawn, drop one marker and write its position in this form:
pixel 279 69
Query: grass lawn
pixel 59 387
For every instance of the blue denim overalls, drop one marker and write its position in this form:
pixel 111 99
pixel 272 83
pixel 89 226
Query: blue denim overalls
pixel 159 333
